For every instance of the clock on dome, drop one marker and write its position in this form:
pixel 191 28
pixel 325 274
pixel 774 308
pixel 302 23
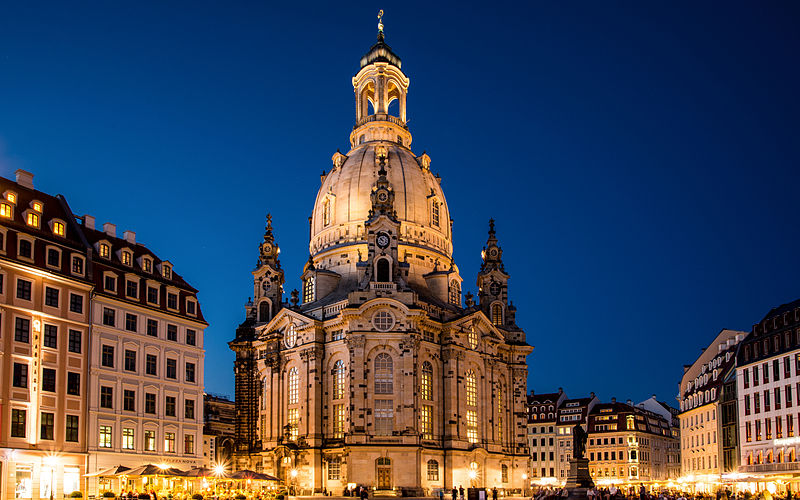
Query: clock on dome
pixel 382 240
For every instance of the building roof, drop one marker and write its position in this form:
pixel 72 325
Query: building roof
pixel 381 52
pixel 783 308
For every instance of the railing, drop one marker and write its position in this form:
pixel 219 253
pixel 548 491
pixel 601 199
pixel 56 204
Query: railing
pixel 333 309
pixel 784 467
pixel 381 117
pixel 382 286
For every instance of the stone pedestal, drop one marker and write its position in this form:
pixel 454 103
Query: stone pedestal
pixel 579 480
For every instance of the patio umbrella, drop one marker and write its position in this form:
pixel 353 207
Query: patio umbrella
pixel 249 474
pixel 113 471
pixel 152 470
pixel 202 472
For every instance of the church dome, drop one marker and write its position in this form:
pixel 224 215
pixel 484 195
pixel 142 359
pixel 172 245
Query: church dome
pixel 343 202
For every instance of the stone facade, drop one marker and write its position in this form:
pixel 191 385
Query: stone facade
pixel 376 373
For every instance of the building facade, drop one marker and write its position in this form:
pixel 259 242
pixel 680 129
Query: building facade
pixel 572 412
pixel 671 415
pixel 628 444
pixel 219 431
pixel 379 372
pixel 700 417
pixel 768 385
pixel 542 412
pixel 45 293
pixel 146 358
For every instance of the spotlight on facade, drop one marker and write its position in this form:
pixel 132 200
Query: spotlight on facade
pixel 293 472
pixel 473 474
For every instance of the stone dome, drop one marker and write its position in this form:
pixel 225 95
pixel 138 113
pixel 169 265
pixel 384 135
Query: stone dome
pixel 343 202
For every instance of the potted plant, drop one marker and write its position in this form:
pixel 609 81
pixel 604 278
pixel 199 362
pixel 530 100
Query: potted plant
pixel 76 494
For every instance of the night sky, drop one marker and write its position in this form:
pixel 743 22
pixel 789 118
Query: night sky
pixel 640 158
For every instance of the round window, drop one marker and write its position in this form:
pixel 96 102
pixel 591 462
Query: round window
pixel 383 321
pixel 290 336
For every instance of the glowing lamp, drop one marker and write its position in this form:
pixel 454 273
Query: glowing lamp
pixel 293 472
pixel 219 469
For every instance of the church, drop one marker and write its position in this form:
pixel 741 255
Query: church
pixel 378 372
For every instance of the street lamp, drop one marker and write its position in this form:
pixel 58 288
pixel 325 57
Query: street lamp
pixel 51 461
pixel 293 473
pixel 219 470
pixel 524 483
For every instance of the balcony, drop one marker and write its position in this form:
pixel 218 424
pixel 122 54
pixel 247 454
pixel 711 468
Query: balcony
pixel 381 117
pixel 778 467
pixel 382 286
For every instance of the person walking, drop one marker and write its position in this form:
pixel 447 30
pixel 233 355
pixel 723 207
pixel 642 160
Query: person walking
pixel 461 492
pixel 454 493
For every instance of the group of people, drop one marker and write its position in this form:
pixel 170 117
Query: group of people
pixel 134 495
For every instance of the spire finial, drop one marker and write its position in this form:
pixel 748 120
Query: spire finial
pixel 491 227
pixel 268 229
pixel 380 25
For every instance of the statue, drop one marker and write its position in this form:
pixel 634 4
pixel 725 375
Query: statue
pixel 578 441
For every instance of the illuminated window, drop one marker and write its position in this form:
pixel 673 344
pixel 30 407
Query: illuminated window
pixel 472 389
pixel 326 212
pixel 5 210
pixel 105 250
pixel 426 382
pixel 384 374
pixel 147 265
pixel 334 469
pixel 384 417
pixel 435 213
pixel 338 380
pixel 33 219
pixel 294 382
pixel 149 440
pixel 169 442
pixel 127 258
pixel 188 444
pixel 308 289
pixel 293 419
pixel 58 228
pixel 500 413
pixel 497 314
pixel 383 321
pixel 290 336
pixel 37 206
pixel 105 436
pixel 455 293
pixel 426 421
pixel 472 337
pixel 127 439
pixel 472 426
pixel 338 421
pixel 167 272
pixel 11 197
pixel 433 470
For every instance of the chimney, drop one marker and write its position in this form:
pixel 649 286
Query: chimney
pixel 110 229
pixel 591 395
pixel 24 178
pixel 130 237
pixel 561 390
pixel 613 400
pixel 88 221
pixel 630 403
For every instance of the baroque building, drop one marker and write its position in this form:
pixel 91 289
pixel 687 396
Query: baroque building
pixel 378 373
pixel 542 410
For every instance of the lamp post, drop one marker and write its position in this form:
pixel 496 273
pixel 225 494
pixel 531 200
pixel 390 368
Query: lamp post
pixel 51 461
pixel 525 484
pixel 293 473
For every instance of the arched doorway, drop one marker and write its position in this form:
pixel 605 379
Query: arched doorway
pixel 384 473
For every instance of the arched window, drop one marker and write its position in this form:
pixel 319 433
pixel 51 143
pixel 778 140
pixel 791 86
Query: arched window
pixel 472 337
pixel 263 311
pixel 384 461
pixel 455 293
pixel 497 314
pixel 384 374
pixel 435 213
pixel 290 336
pixel 338 379
pixel 433 470
pixel 326 212
pixel 500 412
pixel 426 382
pixel 293 385
pixel 472 403
pixel 383 271
pixel 308 290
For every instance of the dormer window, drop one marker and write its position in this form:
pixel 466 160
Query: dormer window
pixel 147 265
pixel 37 206
pixel 435 213
pixel 105 250
pixel 127 258
pixel 6 210
pixel 58 228
pixel 191 306
pixel 11 197
pixel 32 219
pixel 166 272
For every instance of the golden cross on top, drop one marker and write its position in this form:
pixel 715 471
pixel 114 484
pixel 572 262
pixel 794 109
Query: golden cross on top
pixel 380 20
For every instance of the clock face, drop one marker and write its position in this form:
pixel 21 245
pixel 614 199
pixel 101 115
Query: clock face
pixel 383 196
pixel 267 248
pixel 266 285
pixel 383 240
pixel 494 288
pixel 493 252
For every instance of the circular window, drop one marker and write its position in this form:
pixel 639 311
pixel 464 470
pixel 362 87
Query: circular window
pixel 290 336
pixel 383 321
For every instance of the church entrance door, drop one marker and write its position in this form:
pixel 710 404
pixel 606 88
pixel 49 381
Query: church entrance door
pixel 384 474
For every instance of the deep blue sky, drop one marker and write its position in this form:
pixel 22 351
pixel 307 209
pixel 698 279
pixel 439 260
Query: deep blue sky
pixel 641 158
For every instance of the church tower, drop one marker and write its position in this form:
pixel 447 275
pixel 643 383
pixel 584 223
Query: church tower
pixel 377 374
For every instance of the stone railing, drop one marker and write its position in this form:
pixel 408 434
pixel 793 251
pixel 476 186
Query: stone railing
pixel 382 286
pixel 381 117
pixel 782 467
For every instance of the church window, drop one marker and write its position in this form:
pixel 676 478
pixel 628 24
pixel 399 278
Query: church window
pixel 338 421
pixel 263 311
pixel 384 417
pixel 472 337
pixel 426 421
pixel 338 380
pixel 264 393
pixel 292 420
pixel 472 401
pixel 472 389
pixel 435 213
pixel 497 314
pixel 383 271
pixel 433 470
pixel 294 382
pixel 472 426
pixel 455 293
pixel 308 290
pixel 384 374
pixel 504 473
pixel 426 382
pixel 290 336
pixel 500 412
pixel 334 469
pixel 383 321
pixel 326 213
